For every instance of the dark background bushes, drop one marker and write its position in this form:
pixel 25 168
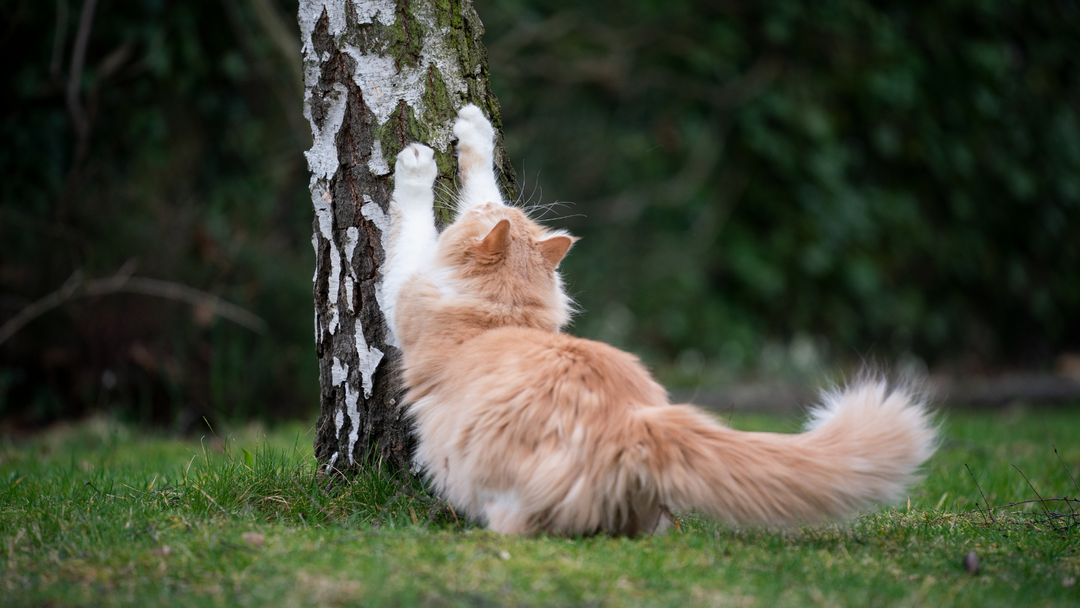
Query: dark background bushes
pixel 759 185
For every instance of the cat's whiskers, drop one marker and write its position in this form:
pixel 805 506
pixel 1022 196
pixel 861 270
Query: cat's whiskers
pixel 564 217
pixel 546 208
pixel 531 209
pixel 448 200
pixel 517 202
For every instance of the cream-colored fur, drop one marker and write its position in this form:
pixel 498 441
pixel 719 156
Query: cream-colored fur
pixel 528 429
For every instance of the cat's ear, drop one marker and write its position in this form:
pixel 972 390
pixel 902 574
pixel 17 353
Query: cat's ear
pixel 554 248
pixel 497 240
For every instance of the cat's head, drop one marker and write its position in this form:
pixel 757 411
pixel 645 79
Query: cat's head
pixel 500 254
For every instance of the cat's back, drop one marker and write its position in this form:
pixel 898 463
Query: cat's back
pixel 559 368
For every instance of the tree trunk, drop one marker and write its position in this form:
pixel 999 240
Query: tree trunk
pixel 377 75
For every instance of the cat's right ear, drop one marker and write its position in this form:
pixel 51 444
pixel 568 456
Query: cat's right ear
pixel 553 249
pixel 497 240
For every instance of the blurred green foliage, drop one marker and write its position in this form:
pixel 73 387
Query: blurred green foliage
pixel 193 170
pixel 755 181
pixel 866 178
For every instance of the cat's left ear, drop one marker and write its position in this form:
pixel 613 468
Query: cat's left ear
pixel 553 249
pixel 497 240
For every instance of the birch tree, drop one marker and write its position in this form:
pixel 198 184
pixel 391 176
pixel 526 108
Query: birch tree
pixel 378 74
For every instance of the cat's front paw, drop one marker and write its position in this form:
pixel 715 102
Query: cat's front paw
pixel 474 132
pixel 415 166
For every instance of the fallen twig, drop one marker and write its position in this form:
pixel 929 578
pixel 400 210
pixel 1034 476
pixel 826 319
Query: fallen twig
pixel 1067 469
pixel 1041 501
pixel 123 282
pixel 1064 499
pixel 985 502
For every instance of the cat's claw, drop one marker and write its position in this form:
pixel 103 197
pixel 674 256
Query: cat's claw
pixel 474 132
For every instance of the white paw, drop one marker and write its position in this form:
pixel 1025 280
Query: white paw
pixel 415 166
pixel 474 131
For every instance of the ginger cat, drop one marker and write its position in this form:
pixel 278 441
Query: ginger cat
pixel 527 429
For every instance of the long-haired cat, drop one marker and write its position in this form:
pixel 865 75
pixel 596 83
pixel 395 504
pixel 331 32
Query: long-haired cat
pixel 528 429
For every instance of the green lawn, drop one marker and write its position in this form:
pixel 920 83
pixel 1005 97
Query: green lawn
pixel 100 514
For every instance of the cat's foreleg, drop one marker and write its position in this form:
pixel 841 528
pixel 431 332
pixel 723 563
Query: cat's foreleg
pixel 413 237
pixel 476 164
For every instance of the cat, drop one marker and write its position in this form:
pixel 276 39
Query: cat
pixel 526 429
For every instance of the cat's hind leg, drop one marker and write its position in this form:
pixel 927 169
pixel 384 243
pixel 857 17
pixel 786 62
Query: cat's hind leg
pixel 413 238
pixel 476 164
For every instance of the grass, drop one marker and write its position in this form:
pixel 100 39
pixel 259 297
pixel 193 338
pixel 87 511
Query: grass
pixel 99 514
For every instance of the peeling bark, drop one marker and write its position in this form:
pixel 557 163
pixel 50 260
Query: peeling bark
pixel 378 75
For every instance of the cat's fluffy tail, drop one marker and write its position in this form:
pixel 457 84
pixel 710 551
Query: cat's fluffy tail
pixel 863 445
